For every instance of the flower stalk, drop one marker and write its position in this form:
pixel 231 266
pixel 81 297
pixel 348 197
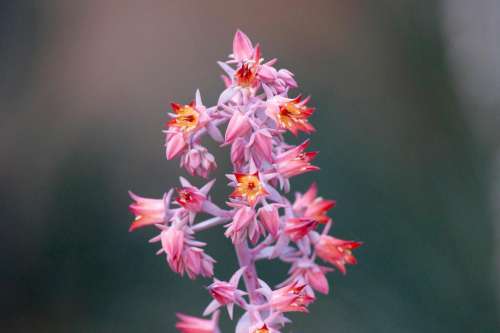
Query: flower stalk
pixel 261 221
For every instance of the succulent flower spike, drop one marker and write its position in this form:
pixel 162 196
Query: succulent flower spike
pixel 252 116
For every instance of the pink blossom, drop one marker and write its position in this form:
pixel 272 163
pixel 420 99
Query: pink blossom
pixel 295 161
pixel 243 224
pixel 293 297
pixel 270 218
pixel 148 211
pixel 176 143
pixel 172 242
pixel 189 324
pixel 197 262
pixel 311 206
pixel 336 251
pixel 225 293
pixel 190 198
pixel 198 161
pixel 238 126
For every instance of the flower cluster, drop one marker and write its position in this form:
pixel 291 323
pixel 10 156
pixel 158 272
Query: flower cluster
pixel 260 220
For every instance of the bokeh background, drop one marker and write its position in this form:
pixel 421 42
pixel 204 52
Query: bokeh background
pixel 408 99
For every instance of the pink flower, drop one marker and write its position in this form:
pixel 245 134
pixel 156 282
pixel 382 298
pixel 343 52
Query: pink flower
pixel 305 271
pixel 190 198
pixel 295 161
pixel 243 224
pixel 269 217
pixel 225 293
pixel 172 242
pixel 148 211
pixel 176 143
pixel 291 114
pixel 184 254
pixel 189 324
pixel 261 144
pixel 197 262
pixel 296 228
pixel 238 126
pixel 336 251
pixel 293 297
pixel 311 206
pixel 186 119
pixel 198 161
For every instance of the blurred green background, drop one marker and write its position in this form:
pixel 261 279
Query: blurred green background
pixel 407 94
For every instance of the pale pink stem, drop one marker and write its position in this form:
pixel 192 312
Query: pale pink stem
pixel 245 259
pixel 209 224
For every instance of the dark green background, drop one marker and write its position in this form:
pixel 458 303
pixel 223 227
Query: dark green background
pixel 85 87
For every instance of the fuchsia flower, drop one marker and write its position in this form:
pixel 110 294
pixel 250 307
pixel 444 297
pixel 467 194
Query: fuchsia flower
pixel 257 112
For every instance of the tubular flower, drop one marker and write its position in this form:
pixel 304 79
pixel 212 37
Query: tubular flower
pixel 293 116
pixel 251 116
pixel 189 324
pixel 336 251
pixel 148 211
pixel 295 161
pixel 248 187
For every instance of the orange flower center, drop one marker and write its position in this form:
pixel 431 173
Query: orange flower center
pixel 290 114
pixel 246 75
pixel 263 329
pixel 187 118
pixel 249 187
